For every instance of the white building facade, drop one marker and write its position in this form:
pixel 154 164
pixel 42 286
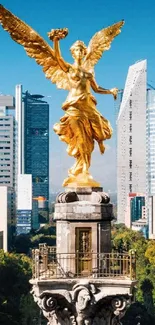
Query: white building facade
pixel 5 217
pixel 7 141
pixel 131 138
pixel 24 204
pixel 150 121
pixel 7 149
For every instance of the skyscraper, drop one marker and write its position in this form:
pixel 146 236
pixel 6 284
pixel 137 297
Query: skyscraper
pixel 150 122
pixel 131 138
pixel 33 145
pixel 150 133
pixel 7 148
pixel 7 141
pixel 135 209
pixel 5 217
pixel 24 204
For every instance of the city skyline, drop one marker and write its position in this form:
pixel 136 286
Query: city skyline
pixel 113 66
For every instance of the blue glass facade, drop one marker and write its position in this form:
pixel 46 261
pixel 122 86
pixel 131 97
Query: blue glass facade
pixel 137 203
pixel 36 147
pixel 23 221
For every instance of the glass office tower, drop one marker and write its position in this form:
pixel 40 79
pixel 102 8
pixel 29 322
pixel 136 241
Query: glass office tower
pixel 32 119
pixel 36 149
pixel 136 205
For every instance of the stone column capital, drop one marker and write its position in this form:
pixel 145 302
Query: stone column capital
pixel 84 304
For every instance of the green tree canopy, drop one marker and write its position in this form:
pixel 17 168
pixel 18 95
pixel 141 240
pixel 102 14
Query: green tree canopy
pixel 124 239
pixel 15 272
pixel 137 315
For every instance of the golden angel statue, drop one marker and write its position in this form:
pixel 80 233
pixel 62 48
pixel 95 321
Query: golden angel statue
pixel 82 123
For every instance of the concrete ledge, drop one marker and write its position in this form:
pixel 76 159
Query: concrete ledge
pixel 109 287
pixel 83 210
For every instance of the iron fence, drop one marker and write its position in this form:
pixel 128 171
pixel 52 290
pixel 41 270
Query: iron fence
pixel 48 264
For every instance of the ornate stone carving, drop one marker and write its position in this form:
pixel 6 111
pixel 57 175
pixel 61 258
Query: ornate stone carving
pixel 83 305
pixel 84 302
pixel 119 305
pixel 67 197
pixel 100 197
pixel 94 197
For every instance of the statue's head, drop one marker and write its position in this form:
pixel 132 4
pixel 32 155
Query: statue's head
pixel 78 50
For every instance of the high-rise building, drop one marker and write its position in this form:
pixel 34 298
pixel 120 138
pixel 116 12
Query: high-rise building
pixel 135 208
pixel 24 204
pixel 137 203
pixel 5 217
pixel 19 131
pixel 150 133
pixel 7 148
pixel 131 138
pixel 151 216
pixel 7 141
pixel 33 146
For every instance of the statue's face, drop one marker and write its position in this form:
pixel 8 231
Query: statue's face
pixel 79 53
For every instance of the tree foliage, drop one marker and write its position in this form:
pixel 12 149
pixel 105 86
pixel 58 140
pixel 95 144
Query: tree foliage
pixel 150 252
pixel 15 272
pixel 123 240
pixel 17 306
pixel 29 310
pixel 22 244
pixel 25 242
pixel 137 315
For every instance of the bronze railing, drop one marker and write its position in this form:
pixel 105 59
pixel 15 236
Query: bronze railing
pixel 48 264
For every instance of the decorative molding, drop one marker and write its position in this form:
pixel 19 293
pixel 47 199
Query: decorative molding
pixel 85 304
pixel 93 197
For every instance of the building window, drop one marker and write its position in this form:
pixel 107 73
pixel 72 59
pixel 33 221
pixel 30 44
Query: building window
pixel 130 152
pixel 130 188
pixel 130 139
pixel 130 176
pixel 130 127
pixel 130 115
pixel 130 163
pixel 130 103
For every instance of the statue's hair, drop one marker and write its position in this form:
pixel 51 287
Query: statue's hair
pixel 78 43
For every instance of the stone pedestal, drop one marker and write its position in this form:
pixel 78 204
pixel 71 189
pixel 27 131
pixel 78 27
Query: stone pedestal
pixel 80 281
pixel 85 208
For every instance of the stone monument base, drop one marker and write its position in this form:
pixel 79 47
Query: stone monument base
pixel 83 212
pixel 80 281
pixel 83 301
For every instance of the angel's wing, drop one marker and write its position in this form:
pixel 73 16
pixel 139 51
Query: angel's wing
pixel 35 46
pixel 99 43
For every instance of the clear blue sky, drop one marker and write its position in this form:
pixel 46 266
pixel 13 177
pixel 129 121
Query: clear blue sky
pixel 83 18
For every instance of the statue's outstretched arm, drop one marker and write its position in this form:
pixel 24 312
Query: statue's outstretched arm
pixel 63 65
pixel 101 90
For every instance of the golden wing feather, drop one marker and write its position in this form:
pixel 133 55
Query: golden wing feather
pixel 99 43
pixel 35 46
